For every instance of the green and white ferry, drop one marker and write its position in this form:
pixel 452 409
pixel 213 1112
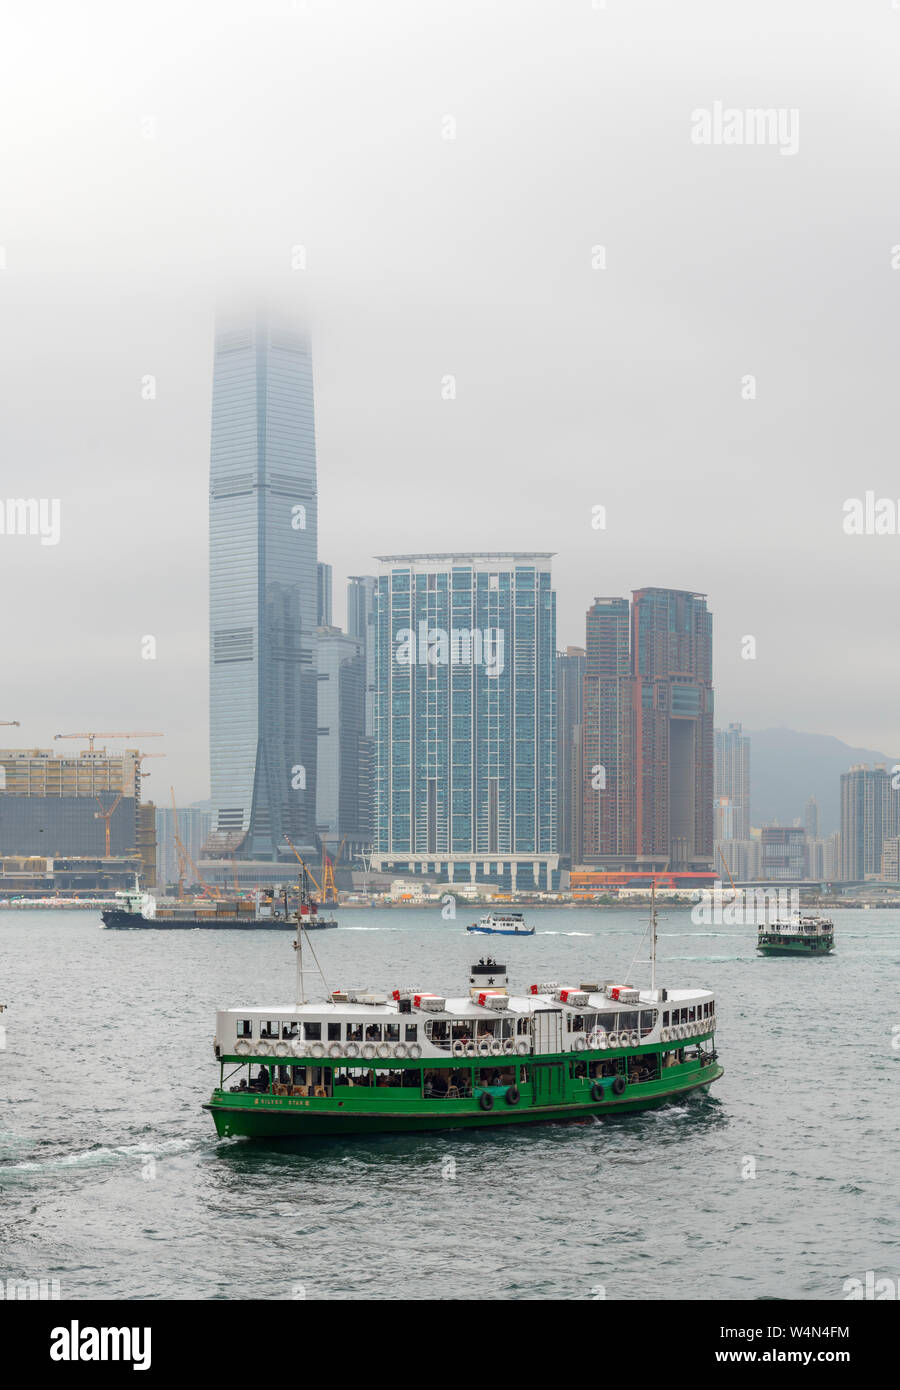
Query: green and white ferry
pixel 796 936
pixel 363 1062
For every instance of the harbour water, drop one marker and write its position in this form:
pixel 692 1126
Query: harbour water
pixel 780 1183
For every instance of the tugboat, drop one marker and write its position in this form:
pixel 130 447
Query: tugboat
pixel 266 910
pixel 798 936
pixel 501 924
pixel 364 1062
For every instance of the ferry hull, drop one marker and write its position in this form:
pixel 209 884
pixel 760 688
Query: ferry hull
pixel 497 931
pixel 270 1117
pixel 797 948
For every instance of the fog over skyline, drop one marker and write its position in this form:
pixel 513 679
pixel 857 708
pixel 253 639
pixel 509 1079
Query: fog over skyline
pixel 156 177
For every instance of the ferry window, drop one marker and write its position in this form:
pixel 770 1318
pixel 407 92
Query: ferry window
pixel 648 1019
pixel 245 1028
pixel 373 1032
pixel 392 1032
pixel 269 1028
pixel 412 1032
pixel 290 1030
pixel 334 1032
pixel 666 1019
pixel 313 1032
pixel 522 1025
pixel 692 1015
pixel 412 1077
pixel 523 1074
pixel 354 1032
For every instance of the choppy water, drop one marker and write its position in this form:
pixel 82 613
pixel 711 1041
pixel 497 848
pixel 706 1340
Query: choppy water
pixel 112 1179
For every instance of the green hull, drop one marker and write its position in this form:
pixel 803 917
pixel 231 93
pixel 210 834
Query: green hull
pixel 796 948
pixel 269 1116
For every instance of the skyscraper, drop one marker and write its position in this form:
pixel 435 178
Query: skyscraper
pixel 569 697
pixel 324 575
pixel 343 750
pixel 811 818
pixel 263 592
pixel 648 735
pixel 361 627
pixel 608 773
pixel 465 718
pixel 671 653
pixel 732 782
pixel 870 814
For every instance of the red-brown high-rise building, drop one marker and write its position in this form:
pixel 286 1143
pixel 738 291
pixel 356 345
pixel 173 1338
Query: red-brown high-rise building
pixel 648 732
pixel 608 820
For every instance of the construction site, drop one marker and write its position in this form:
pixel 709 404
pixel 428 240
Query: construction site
pixel 75 823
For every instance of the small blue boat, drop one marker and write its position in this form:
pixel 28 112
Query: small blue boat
pixel 501 924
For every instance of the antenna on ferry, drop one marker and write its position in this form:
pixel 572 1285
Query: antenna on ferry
pixel 653 935
pixel 298 944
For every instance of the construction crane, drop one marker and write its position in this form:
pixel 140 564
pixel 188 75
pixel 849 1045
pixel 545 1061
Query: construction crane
pixel 182 850
pixel 727 870
pixel 179 848
pixel 129 733
pixel 329 887
pixel 106 815
pixel 304 867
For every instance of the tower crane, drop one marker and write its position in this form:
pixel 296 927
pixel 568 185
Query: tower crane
pixel 129 733
pixel 106 815
pixel 304 866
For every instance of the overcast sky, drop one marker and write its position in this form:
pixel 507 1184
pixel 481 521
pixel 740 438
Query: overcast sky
pixel 157 159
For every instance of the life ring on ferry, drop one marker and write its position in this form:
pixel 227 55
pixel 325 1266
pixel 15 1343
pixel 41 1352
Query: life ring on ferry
pixel 352 1049
pixel 635 1039
pixel 484 1048
pixel 664 1035
pixel 618 1085
pixel 335 1050
pixel 593 1038
pixel 603 1042
pixel 597 1091
pixel 579 1041
pixel 512 1095
pixel 383 1049
pixel 280 1089
pixel 486 1100
pixel 459 1048
pixel 614 1040
pixel 368 1051
pixel 509 1045
pixel 319 1091
pixel 415 1050
pixel 400 1049
pixel 243 1047
pixel 522 1048
pixel 471 1050
pixel 496 1048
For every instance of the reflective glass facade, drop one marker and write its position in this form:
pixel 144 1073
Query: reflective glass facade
pixel 263 592
pixel 465 717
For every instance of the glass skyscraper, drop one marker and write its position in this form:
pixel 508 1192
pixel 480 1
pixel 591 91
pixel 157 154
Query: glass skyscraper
pixel 263 604
pixel 465 718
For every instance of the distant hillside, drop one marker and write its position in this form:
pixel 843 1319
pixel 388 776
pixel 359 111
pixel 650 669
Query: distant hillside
pixel 787 766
